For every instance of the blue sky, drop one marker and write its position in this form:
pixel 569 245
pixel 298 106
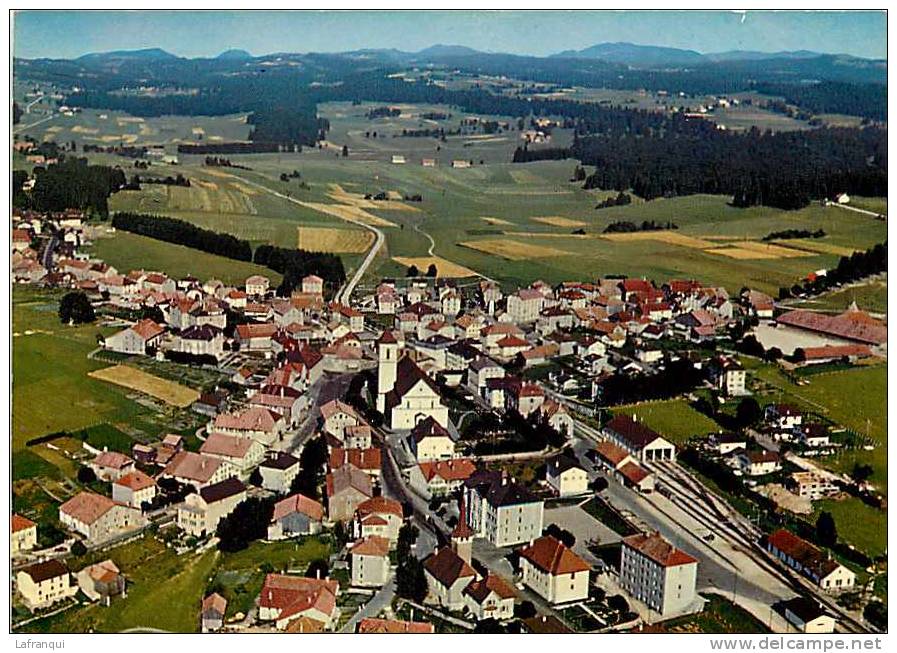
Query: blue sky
pixel 68 34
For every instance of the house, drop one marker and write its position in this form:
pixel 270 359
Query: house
pixel 371 625
pixel 641 442
pixel 807 615
pixel 98 518
pixel 728 375
pixel 284 599
pixel 45 583
pixel 460 163
pixel 523 397
pixel 197 470
pixel 565 476
pixel 524 306
pixel 312 284
pixel 102 581
pixel 481 370
pixel 379 516
pixel 257 423
pixel 811 485
pixel 758 463
pixel 813 435
pixel 257 285
pixel 136 339
pixel 553 571
pixel 295 515
pixel 431 441
pixel 200 340
pixel 23 534
pixel 783 417
pixel 726 443
pixel 367 460
pixel 761 304
pixel 809 561
pixel 447 575
pixel 212 612
pixel 501 510
pixel 489 598
pixel 278 471
pixel 338 416
pixel 347 488
pixel 111 465
pixel 398 159
pixel 658 574
pixel 201 511
pixel 243 454
pixel 134 489
pixel 558 417
pixel 370 561
pixel 445 476
pixel 255 337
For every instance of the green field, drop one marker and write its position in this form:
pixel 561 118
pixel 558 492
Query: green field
pixel 674 419
pixel 719 617
pixel 126 251
pixel 165 590
pixel 455 201
pixel 863 526
pixel 872 297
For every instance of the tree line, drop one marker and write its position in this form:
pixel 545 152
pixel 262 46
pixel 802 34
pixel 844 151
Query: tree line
pixel 294 264
pixel 71 184
pixel 172 230
pixel 865 100
pixel 850 268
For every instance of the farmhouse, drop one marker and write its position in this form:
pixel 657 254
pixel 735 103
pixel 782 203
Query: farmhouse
pixel 295 515
pixel 97 517
pixel 284 599
pixel 197 470
pixel 211 614
pixel 244 454
pixel 136 339
pixel 134 489
pixel 809 561
pixel 257 423
pixel 111 465
pixel 255 337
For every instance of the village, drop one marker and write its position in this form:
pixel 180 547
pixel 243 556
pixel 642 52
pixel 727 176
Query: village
pixel 461 442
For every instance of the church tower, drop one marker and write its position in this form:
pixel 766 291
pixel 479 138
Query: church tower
pixel 462 536
pixel 387 363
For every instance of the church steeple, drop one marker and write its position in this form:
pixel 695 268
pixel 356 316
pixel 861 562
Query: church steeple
pixel 462 536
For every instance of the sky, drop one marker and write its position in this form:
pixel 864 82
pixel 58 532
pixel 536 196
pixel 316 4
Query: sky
pixel 69 34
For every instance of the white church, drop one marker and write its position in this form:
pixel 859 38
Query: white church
pixel 405 394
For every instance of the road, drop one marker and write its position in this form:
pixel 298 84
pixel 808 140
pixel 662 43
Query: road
pixel 381 599
pixel 327 388
pixel 18 129
pixel 858 210
pixel 733 563
pixel 344 294
pixel 47 259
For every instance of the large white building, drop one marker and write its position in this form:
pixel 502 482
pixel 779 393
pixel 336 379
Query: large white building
pixel 658 574
pixel 554 572
pixel 500 510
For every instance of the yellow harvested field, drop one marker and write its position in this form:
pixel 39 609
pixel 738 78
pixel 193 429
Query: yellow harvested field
pixel 558 221
pixel 338 194
pixel 134 379
pixel 819 247
pixel 334 241
pixel 739 253
pixel 526 177
pixel 444 267
pixel 767 248
pixel 55 129
pixel 512 250
pixel 542 234
pixel 211 185
pixel 81 129
pixel 112 138
pixel 498 221
pixel 243 188
pixel 668 237
pixel 218 173
pixel 349 213
pixel 128 119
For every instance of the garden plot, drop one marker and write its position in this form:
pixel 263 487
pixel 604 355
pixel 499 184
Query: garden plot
pixel 134 379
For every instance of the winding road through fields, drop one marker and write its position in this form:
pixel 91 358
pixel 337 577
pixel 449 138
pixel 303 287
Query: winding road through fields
pixel 345 293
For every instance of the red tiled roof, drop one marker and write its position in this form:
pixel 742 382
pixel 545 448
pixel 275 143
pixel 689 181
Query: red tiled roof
pixel 380 505
pixel 19 523
pixel 112 459
pixel 655 547
pixel 852 325
pixel 447 567
pixel 634 473
pixel 364 459
pixel 836 351
pixel 372 545
pixel 295 594
pixel 136 481
pixel 230 446
pixel 370 625
pixel 87 507
pixel 456 469
pixel 479 590
pixel 298 503
pixel 551 555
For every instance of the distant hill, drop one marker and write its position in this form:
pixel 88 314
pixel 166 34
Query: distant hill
pixel 754 55
pixel 634 55
pixel 441 50
pixel 234 54
pixel 147 54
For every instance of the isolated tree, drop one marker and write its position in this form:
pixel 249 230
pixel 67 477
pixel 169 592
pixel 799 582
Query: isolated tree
pixel 826 531
pixel 345 150
pixel 75 308
pixel 431 270
pixel 86 476
pixel 411 582
pixel 599 484
pixel 876 613
pixel 561 534
pixel 618 602
pixel 861 472
pixel 78 549
pixel 412 271
pixel 525 610
pixel 248 522
pixel 748 412
pixel 317 569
